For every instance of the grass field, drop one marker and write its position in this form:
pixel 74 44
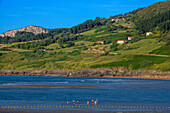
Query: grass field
pixel 142 46
pixel 78 61
pixel 164 50
pixel 137 62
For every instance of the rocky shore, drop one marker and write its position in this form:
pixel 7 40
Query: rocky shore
pixel 101 72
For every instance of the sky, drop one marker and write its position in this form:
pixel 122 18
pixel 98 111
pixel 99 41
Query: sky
pixel 61 13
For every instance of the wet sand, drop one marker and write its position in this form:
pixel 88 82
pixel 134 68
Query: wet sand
pixel 46 86
pixel 69 111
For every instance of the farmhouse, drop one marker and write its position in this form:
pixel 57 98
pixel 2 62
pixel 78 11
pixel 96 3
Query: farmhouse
pixel 130 37
pixel 117 20
pixel 100 42
pixel 149 33
pixel 121 41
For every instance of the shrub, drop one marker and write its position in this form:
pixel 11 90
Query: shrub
pixel 120 27
pixel 84 48
pixel 5 49
pixel 146 63
pixel 69 44
pixel 82 44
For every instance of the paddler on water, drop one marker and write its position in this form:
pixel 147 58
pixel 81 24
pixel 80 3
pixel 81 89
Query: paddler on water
pixel 87 102
pixel 73 101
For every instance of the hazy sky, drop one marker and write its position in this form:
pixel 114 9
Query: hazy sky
pixel 61 13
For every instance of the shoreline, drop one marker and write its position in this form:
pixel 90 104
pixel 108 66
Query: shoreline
pixel 135 77
pixel 132 77
pixel 98 73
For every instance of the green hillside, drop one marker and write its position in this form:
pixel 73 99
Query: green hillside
pixel 76 48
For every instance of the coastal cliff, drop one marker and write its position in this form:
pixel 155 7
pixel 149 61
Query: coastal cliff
pixel 33 29
pixel 116 72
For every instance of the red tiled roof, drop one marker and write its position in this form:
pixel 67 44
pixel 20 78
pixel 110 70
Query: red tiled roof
pixel 130 37
pixel 100 41
pixel 120 40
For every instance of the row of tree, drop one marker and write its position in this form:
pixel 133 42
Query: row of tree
pixel 50 40
pixel 87 25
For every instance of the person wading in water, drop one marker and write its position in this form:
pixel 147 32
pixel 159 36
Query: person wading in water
pixel 92 101
pixel 87 102
pixel 77 102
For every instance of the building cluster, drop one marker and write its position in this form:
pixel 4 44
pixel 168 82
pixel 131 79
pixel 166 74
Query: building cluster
pixel 149 33
pixel 124 41
pixel 116 20
pixel 118 41
pixel 100 42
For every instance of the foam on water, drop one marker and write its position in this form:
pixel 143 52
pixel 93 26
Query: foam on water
pixel 111 80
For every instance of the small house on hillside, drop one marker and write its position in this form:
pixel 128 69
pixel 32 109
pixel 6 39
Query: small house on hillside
pixel 100 42
pixel 149 33
pixel 117 20
pixel 130 37
pixel 121 41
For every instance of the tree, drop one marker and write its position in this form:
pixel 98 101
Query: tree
pixel 69 44
pixel 120 27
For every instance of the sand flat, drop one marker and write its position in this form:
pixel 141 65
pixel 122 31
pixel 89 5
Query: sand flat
pixel 46 86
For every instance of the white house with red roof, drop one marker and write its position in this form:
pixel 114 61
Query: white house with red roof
pixel 130 37
pixel 121 41
pixel 100 42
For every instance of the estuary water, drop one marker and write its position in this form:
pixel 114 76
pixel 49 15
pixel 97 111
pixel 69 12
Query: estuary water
pixel 113 94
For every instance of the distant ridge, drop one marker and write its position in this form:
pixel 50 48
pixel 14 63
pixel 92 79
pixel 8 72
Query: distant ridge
pixel 33 29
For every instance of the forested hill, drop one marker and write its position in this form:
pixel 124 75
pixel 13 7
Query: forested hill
pixel 154 16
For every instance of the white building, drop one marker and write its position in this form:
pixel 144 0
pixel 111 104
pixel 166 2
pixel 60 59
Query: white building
pixel 116 20
pixel 130 37
pixel 121 41
pixel 149 33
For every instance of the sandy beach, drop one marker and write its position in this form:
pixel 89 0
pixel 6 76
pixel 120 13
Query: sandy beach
pixel 46 86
